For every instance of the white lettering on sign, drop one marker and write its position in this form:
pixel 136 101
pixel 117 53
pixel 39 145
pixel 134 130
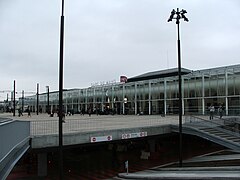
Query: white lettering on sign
pixel 101 138
pixel 134 135
pixel 104 83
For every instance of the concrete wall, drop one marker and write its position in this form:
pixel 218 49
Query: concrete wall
pixel 45 141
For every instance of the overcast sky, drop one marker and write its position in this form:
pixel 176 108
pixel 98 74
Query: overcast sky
pixel 108 38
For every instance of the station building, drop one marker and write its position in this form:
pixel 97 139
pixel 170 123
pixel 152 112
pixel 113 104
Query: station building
pixel 153 93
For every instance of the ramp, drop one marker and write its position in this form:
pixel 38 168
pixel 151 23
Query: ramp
pixel 14 140
pixel 217 131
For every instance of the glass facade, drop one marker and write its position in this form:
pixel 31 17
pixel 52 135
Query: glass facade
pixel 200 89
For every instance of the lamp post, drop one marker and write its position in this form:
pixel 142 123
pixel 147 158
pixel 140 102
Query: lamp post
pixel 48 109
pixel 14 97
pixel 37 98
pixel 179 15
pixel 22 100
pixel 60 112
pixel 124 105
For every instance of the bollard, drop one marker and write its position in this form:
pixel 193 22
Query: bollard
pixel 126 166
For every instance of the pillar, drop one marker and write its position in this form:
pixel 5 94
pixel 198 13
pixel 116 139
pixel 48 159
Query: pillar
pixel 226 92
pixel 183 108
pixel 72 96
pixel 86 100
pixel 165 96
pixel 113 98
pixel 149 98
pixel 151 143
pixel 135 99
pixel 42 164
pixel 123 107
pixel 102 99
pixel 203 95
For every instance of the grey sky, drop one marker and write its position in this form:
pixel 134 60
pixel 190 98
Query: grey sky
pixel 108 38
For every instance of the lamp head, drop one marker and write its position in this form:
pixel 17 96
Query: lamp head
pixel 178 15
pixel 173 12
pixel 172 15
pixel 183 11
pixel 184 18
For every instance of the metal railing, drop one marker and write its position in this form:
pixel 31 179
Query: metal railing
pixel 217 123
pixel 50 127
pixel 97 123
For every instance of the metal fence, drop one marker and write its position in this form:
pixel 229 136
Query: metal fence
pixel 231 124
pixel 97 123
pixel 48 127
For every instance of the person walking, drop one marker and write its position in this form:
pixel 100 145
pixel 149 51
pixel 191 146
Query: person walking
pixel 211 110
pixel 89 111
pixel 29 112
pixel 220 111
pixel 19 112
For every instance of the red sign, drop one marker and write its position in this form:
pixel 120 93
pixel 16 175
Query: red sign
pixel 101 138
pixel 123 79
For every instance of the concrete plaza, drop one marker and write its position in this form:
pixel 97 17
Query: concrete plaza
pixel 79 129
pixel 43 124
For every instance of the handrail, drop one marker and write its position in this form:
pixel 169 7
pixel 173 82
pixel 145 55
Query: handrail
pixel 218 125
pixel 199 119
pixel 4 120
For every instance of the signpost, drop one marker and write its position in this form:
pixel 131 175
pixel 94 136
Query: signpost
pixel 126 166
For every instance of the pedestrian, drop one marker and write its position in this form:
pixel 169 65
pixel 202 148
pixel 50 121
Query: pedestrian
pixel 97 111
pixel 52 113
pixel 211 110
pixel 63 117
pixel 19 112
pixel 82 112
pixel 89 111
pixel 220 111
pixel 29 112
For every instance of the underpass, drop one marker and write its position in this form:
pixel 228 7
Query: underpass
pixel 94 130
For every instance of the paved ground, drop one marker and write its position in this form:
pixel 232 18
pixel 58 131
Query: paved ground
pixel 216 167
pixel 42 124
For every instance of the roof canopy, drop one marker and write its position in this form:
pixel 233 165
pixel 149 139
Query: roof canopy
pixel 159 74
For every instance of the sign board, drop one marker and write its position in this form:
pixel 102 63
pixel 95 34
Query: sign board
pixel 101 138
pixel 134 135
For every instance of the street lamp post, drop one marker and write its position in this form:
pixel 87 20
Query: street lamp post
pixel 48 108
pixel 14 97
pixel 37 98
pixel 22 100
pixel 124 105
pixel 60 112
pixel 179 15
